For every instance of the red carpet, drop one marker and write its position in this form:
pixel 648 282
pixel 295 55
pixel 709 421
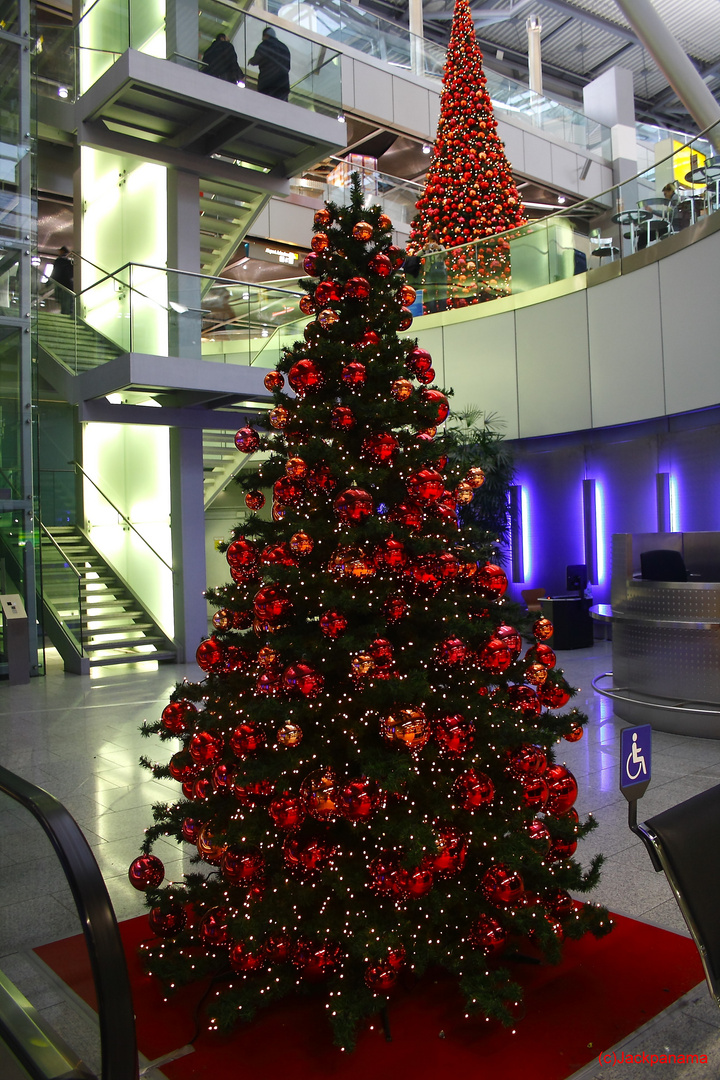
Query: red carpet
pixel 600 993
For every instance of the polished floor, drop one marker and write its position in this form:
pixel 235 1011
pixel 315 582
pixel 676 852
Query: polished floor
pixel 78 738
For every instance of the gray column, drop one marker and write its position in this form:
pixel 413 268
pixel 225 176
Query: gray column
pixel 673 62
pixel 181 29
pixel 184 286
pixel 609 99
pixel 417 32
pixel 187 516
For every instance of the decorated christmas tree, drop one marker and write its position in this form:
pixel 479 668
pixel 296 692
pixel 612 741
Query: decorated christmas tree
pixel 367 771
pixel 470 191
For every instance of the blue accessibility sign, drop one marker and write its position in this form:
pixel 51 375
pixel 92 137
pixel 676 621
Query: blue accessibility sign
pixel 635 760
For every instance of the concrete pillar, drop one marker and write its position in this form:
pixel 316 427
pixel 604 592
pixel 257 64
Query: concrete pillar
pixel 610 99
pixel 674 63
pixel 187 515
pixel 181 29
pixel 534 31
pixel 417 33
pixel 183 257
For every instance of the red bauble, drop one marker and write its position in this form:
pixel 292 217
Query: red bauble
pixel 379 448
pixel 302 679
pixel 419 882
pixel 561 849
pixel 407 727
pixel 473 789
pixel 405 320
pixel 320 794
pixel 272 604
pixel 307 305
pixel 205 748
pixel 307 855
pixel 190 830
pixel 543 654
pixel 454 735
pixel 543 629
pixel 254 500
pixel 247 440
pixel 381 651
pixel 279 417
pixel 223 778
pixel 395 608
pixel 241 553
pixel 528 760
pixel 253 794
pixel 495 656
pixel 210 655
pixel 353 506
pixel 534 792
pixel 287 811
pixel 362 230
pixel 357 288
pixel 574 735
pixel 305 376
pixel 408 514
pixel 487 935
pixel 539 835
pixel 406 294
pixel 553 696
pixel 563 789
pixel 167 923
pixel 146 872
pixel 213 927
pixel 287 491
pixel 381 265
pixel 491 580
pixel 354 374
pixel 209 849
pixel 327 292
pixel 451 852
pixel 246 739
pixel 418 361
pixel 342 418
pixel 426 485
pixel 438 401
pixel 380 978
pixel 244 961
pixel 524 700
pixel 425 377
pixel 310 264
pixel 511 639
pixel 316 962
pixel 182 767
pixel 241 865
pixel 333 624
pixel 179 717
pixel 322 217
pixel 452 652
pixel 370 337
pixel 274 380
pixel 359 799
pixel 391 554
pixel 320 479
pixel 401 389
pixel 560 903
pixel 501 885
pixel 278 948
pixel 320 242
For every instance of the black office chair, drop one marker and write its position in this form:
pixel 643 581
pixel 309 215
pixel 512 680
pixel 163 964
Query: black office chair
pixel 662 565
pixel 684 842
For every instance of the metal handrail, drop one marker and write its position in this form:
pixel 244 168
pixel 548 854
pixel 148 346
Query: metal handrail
pixel 646 699
pixel 119 512
pixel 54 542
pixel 78 575
pixel 119 1058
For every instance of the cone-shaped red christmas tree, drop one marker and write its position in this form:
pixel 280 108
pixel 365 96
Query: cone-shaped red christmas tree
pixel 367 770
pixel 470 191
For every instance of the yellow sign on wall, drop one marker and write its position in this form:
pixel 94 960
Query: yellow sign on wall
pixel 685 160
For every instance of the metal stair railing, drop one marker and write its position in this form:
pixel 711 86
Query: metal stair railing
pixel 119 1056
pixel 78 582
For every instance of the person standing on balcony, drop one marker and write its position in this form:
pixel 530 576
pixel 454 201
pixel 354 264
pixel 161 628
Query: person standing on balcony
pixel 272 57
pixel 435 275
pixel 63 276
pixel 221 61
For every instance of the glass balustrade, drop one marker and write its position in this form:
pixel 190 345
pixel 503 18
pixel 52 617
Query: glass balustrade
pixel 54 67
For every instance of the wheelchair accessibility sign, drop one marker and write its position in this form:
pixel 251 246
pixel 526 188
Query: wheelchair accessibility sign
pixel 635 760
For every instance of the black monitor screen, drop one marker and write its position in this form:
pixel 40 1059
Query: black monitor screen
pixel 576 578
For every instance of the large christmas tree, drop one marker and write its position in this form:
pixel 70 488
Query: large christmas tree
pixel 470 191
pixel 367 769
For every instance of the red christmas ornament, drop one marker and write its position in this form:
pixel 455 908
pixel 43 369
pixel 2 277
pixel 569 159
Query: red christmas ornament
pixel 438 401
pixel 272 604
pixel 391 554
pixel 418 361
pixel 563 789
pixel 182 767
pixel 223 778
pixel 190 830
pixel 305 376
pixel 310 264
pixel 353 506
pixel 320 479
pixel 302 679
pixel 146 872
pixel 342 418
pixel 473 789
pixel 307 305
pixel 244 961
pixel 534 792
pixel 205 748
pixel 491 580
pixel 381 265
pixel 327 292
pixel 254 500
pixel 179 717
pixel 543 629
pixel 307 855
pixel 574 735
pixel 359 799
pixel 320 794
pixel 561 849
pixel 241 554
pixel 408 514
pixel 454 735
pixel 543 654
pixel 535 674
pixel 167 923
pixel 487 935
pixel 560 903
pixel 357 288
pixel 452 652
pixel 322 217
pixel 419 882
pixel 253 794
pixel 553 696
pixel 380 978
pixel 511 639
pixel 241 865
pixel 528 760
pixel 213 928
pixel 406 294
pixel 333 624
pixel 370 337
pixel 495 657
pixel 501 885
pixel 381 651
pixel 524 700
pixel 426 485
pixel 539 835
pixel 210 655
pixel 407 727
pixel 363 230
pixel 274 380
pixel 354 374
pixel 379 448
pixel 401 389
pixel 405 321
pixel 395 608
pixel 451 852
pixel 287 811
pixel 246 739
pixel 279 417
pixel 247 440
pixel 320 242
pixel 427 376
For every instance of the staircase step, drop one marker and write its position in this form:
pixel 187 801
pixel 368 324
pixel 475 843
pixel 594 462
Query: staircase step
pixel 123 643
pixel 133 658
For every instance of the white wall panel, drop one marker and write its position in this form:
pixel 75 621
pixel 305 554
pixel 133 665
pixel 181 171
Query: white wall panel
pixel 691 326
pixel 373 92
pixel 565 168
pixel 626 348
pixel 289 222
pixel 411 110
pixel 512 137
pixel 538 159
pixel 553 366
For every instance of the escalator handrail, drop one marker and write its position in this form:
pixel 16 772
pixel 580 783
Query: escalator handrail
pixel 110 975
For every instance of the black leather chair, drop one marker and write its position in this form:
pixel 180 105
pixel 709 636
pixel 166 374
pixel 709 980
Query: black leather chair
pixel 662 565
pixel 684 842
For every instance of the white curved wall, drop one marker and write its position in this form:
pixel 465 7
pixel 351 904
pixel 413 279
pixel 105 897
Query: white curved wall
pixel 600 350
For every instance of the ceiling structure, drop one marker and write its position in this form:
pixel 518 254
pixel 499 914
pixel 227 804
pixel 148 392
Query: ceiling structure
pixel 580 40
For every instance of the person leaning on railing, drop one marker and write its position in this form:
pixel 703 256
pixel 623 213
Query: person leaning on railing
pixel 220 60
pixel 272 58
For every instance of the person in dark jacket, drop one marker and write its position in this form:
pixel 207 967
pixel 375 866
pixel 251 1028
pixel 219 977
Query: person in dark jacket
pixel 221 60
pixel 272 57
pixel 63 276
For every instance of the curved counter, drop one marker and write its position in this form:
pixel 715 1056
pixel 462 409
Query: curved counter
pixel 666 643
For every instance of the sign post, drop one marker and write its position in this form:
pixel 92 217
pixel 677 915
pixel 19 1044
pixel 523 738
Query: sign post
pixel 635 766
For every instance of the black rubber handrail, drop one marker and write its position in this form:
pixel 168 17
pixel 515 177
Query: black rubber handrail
pixel 119 1058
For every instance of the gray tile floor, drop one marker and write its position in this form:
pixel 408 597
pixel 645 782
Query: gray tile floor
pixel 78 738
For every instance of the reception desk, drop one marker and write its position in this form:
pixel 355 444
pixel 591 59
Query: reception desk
pixel 666 636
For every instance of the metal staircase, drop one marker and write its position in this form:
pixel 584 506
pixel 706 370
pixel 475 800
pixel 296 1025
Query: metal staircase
pixel 96 610
pixel 72 343
pixel 226 212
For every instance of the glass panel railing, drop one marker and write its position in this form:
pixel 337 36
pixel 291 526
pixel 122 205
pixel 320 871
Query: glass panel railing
pixel 396 196
pixel 657 204
pixel 63 585
pixel 346 24
pixel 54 68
